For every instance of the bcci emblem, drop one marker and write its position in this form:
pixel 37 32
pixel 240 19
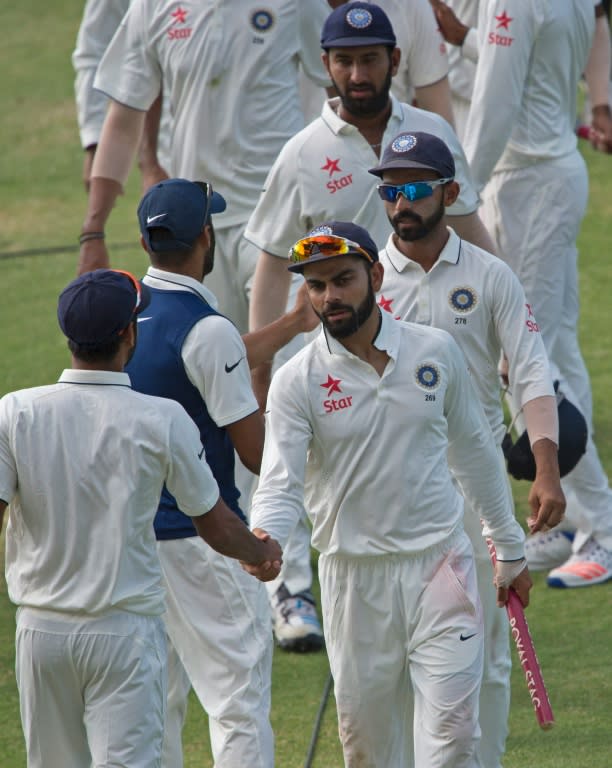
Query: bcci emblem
pixel 262 20
pixel 322 230
pixel 359 18
pixel 404 143
pixel 427 376
pixel 463 299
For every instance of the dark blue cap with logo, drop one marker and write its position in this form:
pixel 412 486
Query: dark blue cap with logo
pixel 96 306
pixel 573 435
pixel 182 208
pixel 417 150
pixel 357 24
pixel 346 230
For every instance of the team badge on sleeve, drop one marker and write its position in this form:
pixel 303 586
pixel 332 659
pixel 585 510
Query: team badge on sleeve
pixel 359 18
pixel 427 376
pixel 262 20
pixel 463 299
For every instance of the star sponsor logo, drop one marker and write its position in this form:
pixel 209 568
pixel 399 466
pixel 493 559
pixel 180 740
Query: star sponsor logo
pixel 495 38
pixel 385 303
pixel 177 31
pixel 530 322
pixel 332 386
pixel 334 185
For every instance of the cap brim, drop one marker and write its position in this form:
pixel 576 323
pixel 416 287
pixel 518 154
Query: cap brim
pixel 357 42
pixel 217 203
pixel 399 164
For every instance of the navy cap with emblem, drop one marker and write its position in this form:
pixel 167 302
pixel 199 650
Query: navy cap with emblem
pixel 573 434
pixel 346 230
pixel 417 150
pixel 95 307
pixel 357 24
pixel 182 208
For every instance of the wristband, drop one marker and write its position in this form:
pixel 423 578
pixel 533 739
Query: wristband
pixel 85 236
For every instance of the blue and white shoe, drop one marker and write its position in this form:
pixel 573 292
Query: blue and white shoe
pixel 296 624
pixel 546 550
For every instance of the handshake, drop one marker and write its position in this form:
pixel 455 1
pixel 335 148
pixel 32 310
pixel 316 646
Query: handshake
pixel 268 567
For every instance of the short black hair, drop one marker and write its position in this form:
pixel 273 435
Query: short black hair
pixel 95 353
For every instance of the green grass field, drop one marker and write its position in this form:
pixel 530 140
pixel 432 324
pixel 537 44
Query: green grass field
pixel 41 206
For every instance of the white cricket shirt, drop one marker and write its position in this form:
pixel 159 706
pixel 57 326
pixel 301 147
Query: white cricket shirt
pixel 213 354
pixel 82 463
pixel 532 54
pixel 230 70
pixel 476 298
pixel 322 174
pixel 371 454
pixel 462 59
pixel 98 25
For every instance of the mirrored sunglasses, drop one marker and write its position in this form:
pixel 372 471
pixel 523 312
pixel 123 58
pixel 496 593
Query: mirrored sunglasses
pixel 327 245
pixel 415 190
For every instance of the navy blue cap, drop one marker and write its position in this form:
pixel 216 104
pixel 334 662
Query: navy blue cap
pixel 182 207
pixel 345 229
pixel 96 306
pixel 573 434
pixel 417 150
pixel 357 24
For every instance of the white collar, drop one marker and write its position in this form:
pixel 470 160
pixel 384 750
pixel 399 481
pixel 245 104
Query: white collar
pixel 83 376
pixel 172 281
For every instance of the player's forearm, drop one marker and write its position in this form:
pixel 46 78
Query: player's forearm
pixel 263 344
pixel 542 421
pixel 436 98
pixel 471 229
pixel 597 71
pixel 118 143
pixel 270 293
pixel 147 151
pixel 225 532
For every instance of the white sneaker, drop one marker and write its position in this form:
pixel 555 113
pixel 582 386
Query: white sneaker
pixel 592 564
pixel 296 624
pixel 547 550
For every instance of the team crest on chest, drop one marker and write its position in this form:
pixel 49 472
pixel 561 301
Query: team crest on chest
pixel 427 376
pixel 463 299
pixel 262 20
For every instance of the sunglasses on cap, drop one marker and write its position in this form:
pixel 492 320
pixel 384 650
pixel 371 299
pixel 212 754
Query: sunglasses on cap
pixel 326 245
pixel 136 285
pixel 206 187
pixel 414 190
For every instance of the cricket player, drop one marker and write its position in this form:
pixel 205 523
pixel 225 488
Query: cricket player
pixel 322 174
pixel 230 75
pixel 82 466
pixel 189 352
pixel 435 278
pixel 422 77
pixel 521 143
pixel 363 427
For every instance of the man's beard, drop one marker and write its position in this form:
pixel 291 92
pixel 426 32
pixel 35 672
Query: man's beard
pixel 423 226
pixel 366 107
pixel 341 329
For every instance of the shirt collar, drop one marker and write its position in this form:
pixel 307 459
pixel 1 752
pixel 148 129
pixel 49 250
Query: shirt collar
pixel 172 281
pixel 450 253
pixel 387 338
pixel 337 125
pixel 82 376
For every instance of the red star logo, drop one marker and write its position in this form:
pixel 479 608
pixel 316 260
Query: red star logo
pixel 529 310
pixel 332 385
pixel 332 166
pixel 179 16
pixel 503 21
pixel 385 303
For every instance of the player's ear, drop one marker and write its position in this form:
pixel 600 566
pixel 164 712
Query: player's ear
pixel 144 245
pixel 325 60
pixel 396 56
pixel 377 272
pixel 451 193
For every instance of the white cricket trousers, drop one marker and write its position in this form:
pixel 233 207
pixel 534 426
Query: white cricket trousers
pixel 398 626
pixel 218 622
pixel 534 215
pixel 92 690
